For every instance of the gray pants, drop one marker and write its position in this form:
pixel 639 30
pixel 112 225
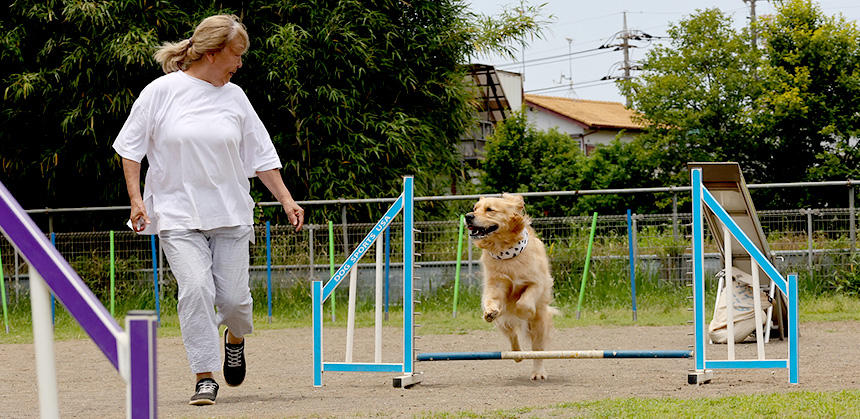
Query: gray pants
pixel 211 270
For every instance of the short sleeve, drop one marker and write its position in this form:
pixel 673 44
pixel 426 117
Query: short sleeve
pixel 257 153
pixel 132 141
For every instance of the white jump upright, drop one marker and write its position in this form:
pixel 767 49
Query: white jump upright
pixel 320 293
pixel 703 367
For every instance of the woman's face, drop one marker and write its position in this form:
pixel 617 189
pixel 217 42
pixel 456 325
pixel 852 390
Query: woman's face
pixel 227 61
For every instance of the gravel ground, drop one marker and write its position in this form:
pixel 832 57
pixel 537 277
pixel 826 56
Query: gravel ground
pixel 279 381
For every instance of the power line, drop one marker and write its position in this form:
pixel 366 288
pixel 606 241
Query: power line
pixel 580 84
pixel 560 89
pixel 514 63
pixel 556 61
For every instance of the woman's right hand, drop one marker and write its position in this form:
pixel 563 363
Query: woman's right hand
pixel 138 217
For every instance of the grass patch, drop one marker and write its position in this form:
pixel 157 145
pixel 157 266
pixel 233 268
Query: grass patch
pixel 801 404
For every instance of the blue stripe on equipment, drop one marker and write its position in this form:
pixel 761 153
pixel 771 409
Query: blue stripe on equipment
pixel 591 354
pixel 361 367
pixel 746 363
pixel 459 356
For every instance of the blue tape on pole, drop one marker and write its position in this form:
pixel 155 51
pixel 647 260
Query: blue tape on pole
pixel 459 356
pixel 648 354
pixel 269 269
pixel 632 262
pixel 155 276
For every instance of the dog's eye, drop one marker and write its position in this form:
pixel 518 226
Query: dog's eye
pixel 489 209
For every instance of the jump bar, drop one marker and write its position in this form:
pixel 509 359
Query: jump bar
pixel 593 354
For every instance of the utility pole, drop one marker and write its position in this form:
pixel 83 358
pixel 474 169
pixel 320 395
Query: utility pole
pixel 570 61
pixel 752 23
pixel 625 44
pixel 625 35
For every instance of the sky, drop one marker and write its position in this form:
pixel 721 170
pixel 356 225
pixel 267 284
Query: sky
pixel 590 24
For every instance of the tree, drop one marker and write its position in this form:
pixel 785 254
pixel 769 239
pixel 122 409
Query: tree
pixel 812 79
pixel 521 158
pixel 354 93
pixel 696 96
pixel 786 112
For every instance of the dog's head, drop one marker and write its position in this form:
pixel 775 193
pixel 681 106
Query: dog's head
pixel 502 217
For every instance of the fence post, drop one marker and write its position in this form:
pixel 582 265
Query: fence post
pixel 345 235
pixel 17 276
pixel 851 222
pixel 675 216
pixel 269 269
pixel 311 251
pixel 809 240
pixel 3 296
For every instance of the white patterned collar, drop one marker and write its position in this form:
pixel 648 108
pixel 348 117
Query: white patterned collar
pixel 513 251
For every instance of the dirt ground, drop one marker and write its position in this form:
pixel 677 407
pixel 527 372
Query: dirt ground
pixel 279 381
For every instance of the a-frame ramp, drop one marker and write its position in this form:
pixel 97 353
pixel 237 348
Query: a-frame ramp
pixel 726 183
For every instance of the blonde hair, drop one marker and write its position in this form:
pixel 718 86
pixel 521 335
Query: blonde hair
pixel 211 35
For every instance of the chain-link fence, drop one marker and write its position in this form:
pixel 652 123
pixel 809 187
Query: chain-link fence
pixel 820 244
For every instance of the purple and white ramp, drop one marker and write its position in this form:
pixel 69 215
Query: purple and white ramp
pixel 83 305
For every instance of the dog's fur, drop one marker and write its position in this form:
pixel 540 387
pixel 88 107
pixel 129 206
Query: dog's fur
pixel 517 292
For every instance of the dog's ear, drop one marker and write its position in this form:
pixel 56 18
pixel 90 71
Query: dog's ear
pixel 517 200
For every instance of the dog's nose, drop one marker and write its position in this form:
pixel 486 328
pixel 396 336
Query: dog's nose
pixel 469 217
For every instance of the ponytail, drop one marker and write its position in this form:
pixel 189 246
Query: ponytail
pixel 211 35
pixel 176 56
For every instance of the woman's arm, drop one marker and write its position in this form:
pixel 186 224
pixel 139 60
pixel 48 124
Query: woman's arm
pixel 275 184
pixel 138 217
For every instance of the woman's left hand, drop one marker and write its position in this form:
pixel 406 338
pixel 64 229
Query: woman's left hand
pixel 295 213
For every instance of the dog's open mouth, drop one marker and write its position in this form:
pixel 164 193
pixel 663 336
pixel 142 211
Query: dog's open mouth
pixel 477 233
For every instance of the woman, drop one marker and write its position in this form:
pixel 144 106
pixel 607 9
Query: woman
pixel 203 141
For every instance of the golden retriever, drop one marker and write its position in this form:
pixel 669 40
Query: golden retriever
pixel 517 283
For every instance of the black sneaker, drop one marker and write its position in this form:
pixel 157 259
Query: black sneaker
pixel 234 362
pixel 207 390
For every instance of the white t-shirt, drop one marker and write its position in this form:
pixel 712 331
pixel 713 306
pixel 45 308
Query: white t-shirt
pixel 203 143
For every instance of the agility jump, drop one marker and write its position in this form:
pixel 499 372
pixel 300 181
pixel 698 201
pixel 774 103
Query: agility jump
pixel 320 293
pixel 703 367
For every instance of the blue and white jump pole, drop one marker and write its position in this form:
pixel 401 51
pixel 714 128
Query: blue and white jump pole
pixel 521 355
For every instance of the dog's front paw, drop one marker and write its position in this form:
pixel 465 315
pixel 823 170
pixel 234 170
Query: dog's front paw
pixel 539 375
pixel 490 314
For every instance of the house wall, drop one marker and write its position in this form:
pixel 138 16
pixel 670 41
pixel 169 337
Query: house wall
pixel 512 85
pixel 606 136
pixel 545 121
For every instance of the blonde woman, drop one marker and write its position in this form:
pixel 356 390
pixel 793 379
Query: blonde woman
pixel 203 141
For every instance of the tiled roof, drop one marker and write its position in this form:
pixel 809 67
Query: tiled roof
pixel 592 113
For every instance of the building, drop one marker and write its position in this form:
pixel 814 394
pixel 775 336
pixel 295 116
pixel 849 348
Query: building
pixel 497 92
pixel 590 122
